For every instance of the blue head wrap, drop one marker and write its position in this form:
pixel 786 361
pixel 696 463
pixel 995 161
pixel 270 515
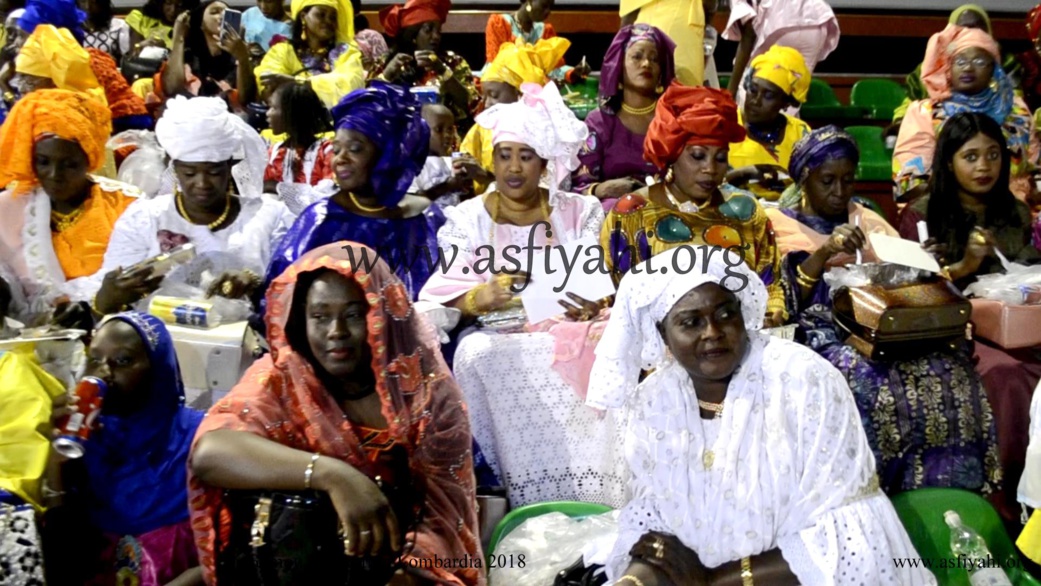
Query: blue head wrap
pixel 60 13
pixel 138 464
pixel 995 101
pixel 389 116
pixel 823 144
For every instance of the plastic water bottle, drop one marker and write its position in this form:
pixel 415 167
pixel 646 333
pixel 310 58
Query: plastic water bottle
pixel 968 544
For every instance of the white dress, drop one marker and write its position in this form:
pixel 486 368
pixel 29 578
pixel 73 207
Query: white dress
pixel 151 226
pixel 536 433
pixel 790 468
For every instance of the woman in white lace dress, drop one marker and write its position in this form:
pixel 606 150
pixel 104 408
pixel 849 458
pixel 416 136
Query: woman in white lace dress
pixel 233 227
pixel 747 451
pixel 534 431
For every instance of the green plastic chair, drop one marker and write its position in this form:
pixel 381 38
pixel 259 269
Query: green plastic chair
pixel 921 511
pixel 879 97
pixel 514 518
pixel 876 162
pixel 724 81
pixel 821 102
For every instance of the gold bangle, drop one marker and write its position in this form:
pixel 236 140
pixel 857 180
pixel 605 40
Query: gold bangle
pixel 630 578
pixel 309 471
pixel 746 571
pixel 802 275
pixel 470 302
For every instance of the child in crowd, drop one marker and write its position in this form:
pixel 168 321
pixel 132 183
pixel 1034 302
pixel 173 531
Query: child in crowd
pixel 264 21
pixel 301 151
pixel 436 180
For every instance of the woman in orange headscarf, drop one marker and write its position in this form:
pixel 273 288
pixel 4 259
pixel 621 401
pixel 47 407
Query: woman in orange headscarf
pixel 58 217
pixel 688 141
pixel 416 58
pixel 356 402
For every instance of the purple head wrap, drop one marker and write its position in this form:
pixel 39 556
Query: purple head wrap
pixel 389 116
pixel 823 144
pixel 613 68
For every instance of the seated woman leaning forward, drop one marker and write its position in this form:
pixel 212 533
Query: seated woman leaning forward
pixel 747 452
pixel 354 401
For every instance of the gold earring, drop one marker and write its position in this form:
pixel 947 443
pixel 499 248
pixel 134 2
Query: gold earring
pixel 527 7
pixel 620 85
pixel 669 175
pixel 659 90
pixel 303 35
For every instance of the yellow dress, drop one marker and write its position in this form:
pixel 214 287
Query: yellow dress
pixel 478 144
pixel 347 73
pixel 749 152
pixel 25 409
pixel 150 28
pixel 637 229
pixel 684 22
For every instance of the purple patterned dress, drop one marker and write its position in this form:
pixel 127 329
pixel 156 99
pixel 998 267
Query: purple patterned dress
pixel 927 420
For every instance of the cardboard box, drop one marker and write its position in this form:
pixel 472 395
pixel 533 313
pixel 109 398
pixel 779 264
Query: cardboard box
pixel 212 360
pixel 1008 326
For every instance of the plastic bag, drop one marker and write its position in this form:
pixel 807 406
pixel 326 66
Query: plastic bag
pixel 549 543
pixel 1021 285
pixel 144 167
pixel 888 274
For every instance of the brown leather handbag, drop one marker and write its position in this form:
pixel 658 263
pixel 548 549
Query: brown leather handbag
pixel 901 322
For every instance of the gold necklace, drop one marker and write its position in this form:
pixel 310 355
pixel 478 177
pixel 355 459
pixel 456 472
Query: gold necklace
pixel 709 456
pixel 358 205
pixel 543 203
pixel 715 407
pixel 211 225
pixel 61 222
pixel 639 111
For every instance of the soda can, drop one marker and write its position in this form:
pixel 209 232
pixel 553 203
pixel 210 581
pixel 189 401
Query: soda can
pixel 75 429
pixel 426 94
pixel 183 312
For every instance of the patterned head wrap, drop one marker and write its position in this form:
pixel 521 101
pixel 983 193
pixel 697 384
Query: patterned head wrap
pixel 613 68
pixel 631 340
pixel 824 144
pixel 519 63
pixel 940 53
pixel 65 114
pixel 390 117
pixel 786 68
pixel 52 53
pixel 690 115
pixel 372 44
pixel 1034 22
pixel 64 14
pixel 344 15
pixel 971 8
pixel 541 120
pixel 396 18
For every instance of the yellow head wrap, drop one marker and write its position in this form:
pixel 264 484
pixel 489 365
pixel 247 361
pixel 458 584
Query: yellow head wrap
pixel 55 54
pixel 70 115
pixel 971 8
pixel 785 68
pixel 518 63
pixel 344 15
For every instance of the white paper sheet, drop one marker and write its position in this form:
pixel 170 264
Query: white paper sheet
pixel 902 252
pixel 569 276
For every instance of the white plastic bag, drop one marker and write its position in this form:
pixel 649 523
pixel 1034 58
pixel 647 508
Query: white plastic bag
pixel 548 543
pixel 144 167
pixel 1012 287
pixel 888 274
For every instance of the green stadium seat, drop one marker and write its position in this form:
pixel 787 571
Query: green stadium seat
pixel 517 516
pixel 878 96
pixel 921 511
pixel 876 163
pixel 821 102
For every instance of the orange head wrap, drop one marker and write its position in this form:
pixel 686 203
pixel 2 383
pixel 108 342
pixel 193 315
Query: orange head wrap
pixel 397 17
pixel 940 53
pixel 690 115
pixel 70 115
pixel 122 101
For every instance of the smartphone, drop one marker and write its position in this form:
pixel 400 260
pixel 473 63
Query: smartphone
pixel 232 20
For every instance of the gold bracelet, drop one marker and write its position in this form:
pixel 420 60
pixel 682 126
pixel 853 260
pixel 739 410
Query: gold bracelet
pixel 470 302
pixel 802 275
pixel 309 471
pixel 630 578
pixel 746 571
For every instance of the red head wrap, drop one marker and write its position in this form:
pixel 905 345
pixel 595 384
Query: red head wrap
pixel 1034 22
pixel 690 115
pixel 397 17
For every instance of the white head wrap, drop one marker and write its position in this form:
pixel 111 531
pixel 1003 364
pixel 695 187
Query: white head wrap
pixel 631 340
pixel 541 120
pixel 202 130
pixel 14 16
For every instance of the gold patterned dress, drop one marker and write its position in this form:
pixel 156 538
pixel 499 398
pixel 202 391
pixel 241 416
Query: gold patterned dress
pixel 638 228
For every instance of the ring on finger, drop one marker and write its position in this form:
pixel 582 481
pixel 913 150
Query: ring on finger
pixel 227 288
pixel 366 532
pixel 659 548
pixel 840 239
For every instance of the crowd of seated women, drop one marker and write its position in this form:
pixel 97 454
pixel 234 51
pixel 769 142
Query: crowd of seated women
pixel 367 228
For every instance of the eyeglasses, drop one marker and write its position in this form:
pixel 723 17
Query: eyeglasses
pixel 963 62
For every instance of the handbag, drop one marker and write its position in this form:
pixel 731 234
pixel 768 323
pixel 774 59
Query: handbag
pixel 21 557
pixel 135 67
pixel 577 574
pixel 281 538
pixel 901 322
